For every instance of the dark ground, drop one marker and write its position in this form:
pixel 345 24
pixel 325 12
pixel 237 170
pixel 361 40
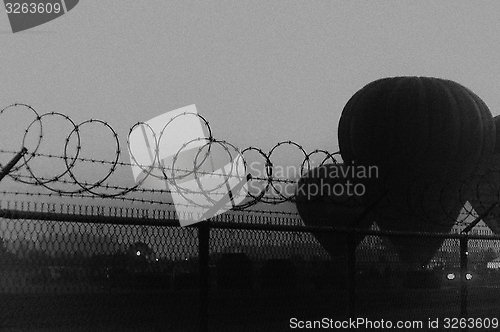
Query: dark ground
pixel 231 310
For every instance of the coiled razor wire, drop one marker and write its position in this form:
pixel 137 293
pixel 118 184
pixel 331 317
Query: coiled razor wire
pixel 271 192
pixel 273 188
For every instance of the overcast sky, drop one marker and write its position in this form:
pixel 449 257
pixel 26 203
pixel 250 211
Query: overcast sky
pixel 259 71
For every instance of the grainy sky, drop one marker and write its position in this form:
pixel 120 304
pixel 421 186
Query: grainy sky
pixel 260 71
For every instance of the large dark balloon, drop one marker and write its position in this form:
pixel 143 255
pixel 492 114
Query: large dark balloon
pixel 419 250
pixel 416 123
pixel 427 136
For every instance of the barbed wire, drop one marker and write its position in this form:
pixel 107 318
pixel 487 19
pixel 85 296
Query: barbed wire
pixel 422 196
pixel 66 182
pixel 148 212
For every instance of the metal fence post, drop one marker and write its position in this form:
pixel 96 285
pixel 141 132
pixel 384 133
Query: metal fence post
pixel 203 269
pixel 351 273
pixel 463 260
pixel 463 271
pixel 5 170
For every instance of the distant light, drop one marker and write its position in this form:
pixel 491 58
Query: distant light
pixel 138 253
pixel 468 276
pixel 157 259
pixel 450 276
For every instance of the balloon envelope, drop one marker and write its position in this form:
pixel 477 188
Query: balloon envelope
pixel 426 136
pixel 423 124
pixel 323 199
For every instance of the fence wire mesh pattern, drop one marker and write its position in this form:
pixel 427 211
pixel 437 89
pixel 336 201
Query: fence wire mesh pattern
pixel 62 269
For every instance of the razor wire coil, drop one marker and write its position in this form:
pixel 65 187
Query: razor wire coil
pixel 271 186
pixel 78 187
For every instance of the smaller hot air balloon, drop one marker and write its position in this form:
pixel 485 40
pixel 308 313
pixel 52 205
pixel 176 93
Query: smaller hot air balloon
pixel 326 196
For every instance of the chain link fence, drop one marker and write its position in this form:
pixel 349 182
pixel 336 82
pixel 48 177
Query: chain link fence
pixel 71 268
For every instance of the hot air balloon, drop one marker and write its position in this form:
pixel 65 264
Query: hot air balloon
pixel 325 196
pixel 427 136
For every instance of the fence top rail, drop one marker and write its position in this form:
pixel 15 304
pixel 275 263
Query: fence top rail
pixel 144 221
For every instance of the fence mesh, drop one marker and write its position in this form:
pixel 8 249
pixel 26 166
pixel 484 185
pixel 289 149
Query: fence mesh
pixel 67 269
